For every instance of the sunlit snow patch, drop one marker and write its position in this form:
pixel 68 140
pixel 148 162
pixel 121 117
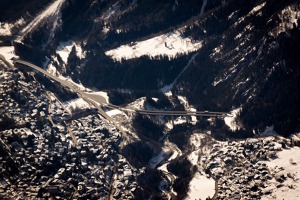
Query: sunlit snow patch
pixel 77 104
pixel 201 187
pixel 257 8
pixel 288 160
pixel 169 44
pixel 64 49
pixel 8 53
pixel 6 28
pixel 50 12
pixel 114 112
pixel 102 94
pixel 230 121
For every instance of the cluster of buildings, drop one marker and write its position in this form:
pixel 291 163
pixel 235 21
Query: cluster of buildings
pixel 45 154
pixel 239 167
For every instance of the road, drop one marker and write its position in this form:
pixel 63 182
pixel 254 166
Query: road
pixel 5 61
pixel 96 99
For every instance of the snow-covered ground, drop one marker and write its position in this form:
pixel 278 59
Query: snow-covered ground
pixel 194 157
pixel 287 164
pixel 51 69
pixel 201 187
pixel 102 94
pixel 169 44
pixel 257 8
pixel 51 12
pixel 6 28
pixel 76 104
pixel 64 49
pixel 114 112
pixel 197 140
pixel 8 52
pixel 230 121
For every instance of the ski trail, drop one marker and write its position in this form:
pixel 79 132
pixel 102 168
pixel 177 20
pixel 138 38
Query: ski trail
pixel 51 11
pixel 168 88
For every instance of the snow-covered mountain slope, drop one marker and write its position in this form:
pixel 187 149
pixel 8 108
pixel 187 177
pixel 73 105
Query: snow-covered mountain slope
pixel 170 44
pixel 50 15
pixel 248 57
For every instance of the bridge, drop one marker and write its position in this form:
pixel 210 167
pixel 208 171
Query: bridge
pixel 96 99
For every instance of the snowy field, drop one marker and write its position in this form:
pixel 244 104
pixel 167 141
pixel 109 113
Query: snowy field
pixel 201 187
pixel 169 44
pixel 287 164
pixel 114 112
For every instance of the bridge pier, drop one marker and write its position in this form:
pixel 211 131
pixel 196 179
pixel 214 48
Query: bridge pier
pixel 172 118
pixel 187 119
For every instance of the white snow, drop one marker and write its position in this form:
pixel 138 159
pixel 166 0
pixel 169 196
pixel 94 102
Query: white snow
pixel 232 15
pixel 52 11
pixel 76 104
pixel 169 44
pixel 180 120
pixel 80 86
pixel 216 82
pixel 111 11
pixel 102 94
pixel 289 160
pixel 288 17
pixel 196 138
pixel 163 167
pixel 230 121
pixel 183 101
pixel 137 104
pixel 114 112
pixel 193 157
pixel 64 49
pixel 52 69
pixel 6 28
pixel 201 187
pixel 8 52
pixel 257 8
